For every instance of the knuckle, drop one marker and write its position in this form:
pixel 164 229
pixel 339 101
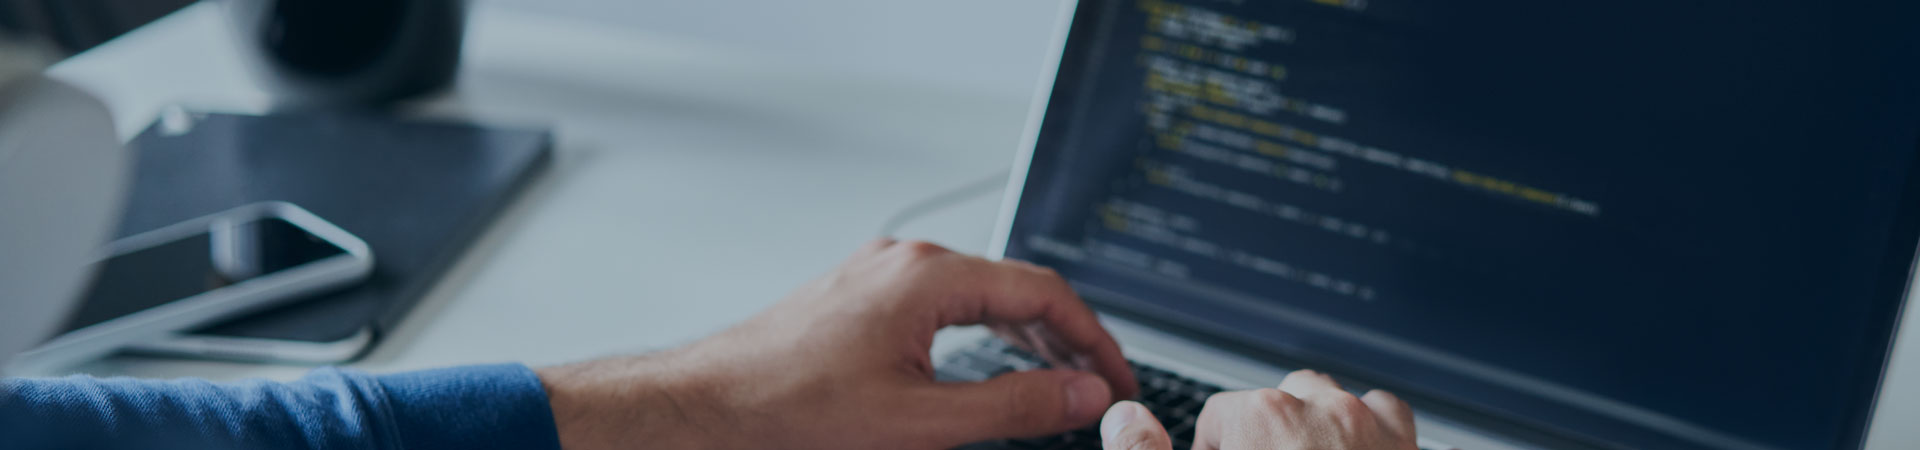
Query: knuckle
pixel 1384 398
pixel 921 249
pixel 1299 376
pixel 1276 400
pixel 1349 414
pixel 1216 401
pixel 1347 405
pixel 1228 407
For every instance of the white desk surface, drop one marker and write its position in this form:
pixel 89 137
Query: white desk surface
pixel 705 166
pixel 694 183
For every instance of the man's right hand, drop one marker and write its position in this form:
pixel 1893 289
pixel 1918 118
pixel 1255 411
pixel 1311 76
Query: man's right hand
pixel 1308 412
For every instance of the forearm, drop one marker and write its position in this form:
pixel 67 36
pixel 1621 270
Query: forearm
pixel 627 401
pixel 470 407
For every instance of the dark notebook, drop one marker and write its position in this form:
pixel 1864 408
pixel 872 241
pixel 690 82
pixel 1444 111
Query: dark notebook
pixel 417 192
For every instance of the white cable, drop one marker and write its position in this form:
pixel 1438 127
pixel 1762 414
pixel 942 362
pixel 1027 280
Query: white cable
pixel 946 199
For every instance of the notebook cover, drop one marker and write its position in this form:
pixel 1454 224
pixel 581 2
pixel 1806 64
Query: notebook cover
pixel 418 192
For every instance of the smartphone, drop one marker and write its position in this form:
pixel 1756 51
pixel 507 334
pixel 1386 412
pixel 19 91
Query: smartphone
pixel 188 275
pixel 292 347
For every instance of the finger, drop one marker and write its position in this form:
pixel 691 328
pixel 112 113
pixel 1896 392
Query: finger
pixel 1208 428
pixel 1013 405
pixel 1312 385
pixel 1224 410
pixel 1129 426
pixel 1393 414
pixel 995 292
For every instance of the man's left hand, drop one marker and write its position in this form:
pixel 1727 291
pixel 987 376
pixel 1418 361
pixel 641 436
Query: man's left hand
pixel 844 363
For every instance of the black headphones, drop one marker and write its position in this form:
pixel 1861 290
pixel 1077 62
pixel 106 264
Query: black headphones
pixel 353 53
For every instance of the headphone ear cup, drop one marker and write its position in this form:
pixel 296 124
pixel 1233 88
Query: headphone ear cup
pixel 333 38
pixel 63 178
pixel 350 52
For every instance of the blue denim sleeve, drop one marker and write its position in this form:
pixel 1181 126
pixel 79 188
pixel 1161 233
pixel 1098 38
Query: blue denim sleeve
pixel 473 407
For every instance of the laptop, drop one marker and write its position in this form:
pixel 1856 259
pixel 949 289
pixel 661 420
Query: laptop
pixel 1640 224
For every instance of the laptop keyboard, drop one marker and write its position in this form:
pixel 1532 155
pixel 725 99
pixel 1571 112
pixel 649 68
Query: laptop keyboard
pixel 1174 399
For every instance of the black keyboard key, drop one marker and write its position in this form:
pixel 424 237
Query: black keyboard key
pixel 1192 403
pixel 1183 431
pixel 1041 442
pixel 1175 400
pixel 1077 445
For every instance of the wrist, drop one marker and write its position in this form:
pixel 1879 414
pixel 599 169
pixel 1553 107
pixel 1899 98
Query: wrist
pixel 631 402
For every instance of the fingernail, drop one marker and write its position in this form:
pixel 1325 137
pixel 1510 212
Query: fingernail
pixel 1118 417
pixel 1086 395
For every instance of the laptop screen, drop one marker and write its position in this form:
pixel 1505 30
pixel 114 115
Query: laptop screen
pixel 1649 224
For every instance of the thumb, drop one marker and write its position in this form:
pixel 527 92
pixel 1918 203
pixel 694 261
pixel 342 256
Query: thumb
pixel 1129 426
pixel 1019 404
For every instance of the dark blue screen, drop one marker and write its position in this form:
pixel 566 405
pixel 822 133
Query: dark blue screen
pixel 1653 224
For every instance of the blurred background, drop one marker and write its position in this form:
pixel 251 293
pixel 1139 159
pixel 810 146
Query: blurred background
pixel 985 44
pixel 695 143
pixel 76 25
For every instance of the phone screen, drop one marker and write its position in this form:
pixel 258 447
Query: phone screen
pixel 227 252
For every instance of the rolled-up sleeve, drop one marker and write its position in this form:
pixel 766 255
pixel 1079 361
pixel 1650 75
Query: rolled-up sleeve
pixel 472 407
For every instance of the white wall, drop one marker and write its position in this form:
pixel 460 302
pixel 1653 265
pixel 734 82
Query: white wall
pixel 992 45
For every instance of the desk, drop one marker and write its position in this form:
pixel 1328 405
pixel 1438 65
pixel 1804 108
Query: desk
pixel 697 178
pixel 693 183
